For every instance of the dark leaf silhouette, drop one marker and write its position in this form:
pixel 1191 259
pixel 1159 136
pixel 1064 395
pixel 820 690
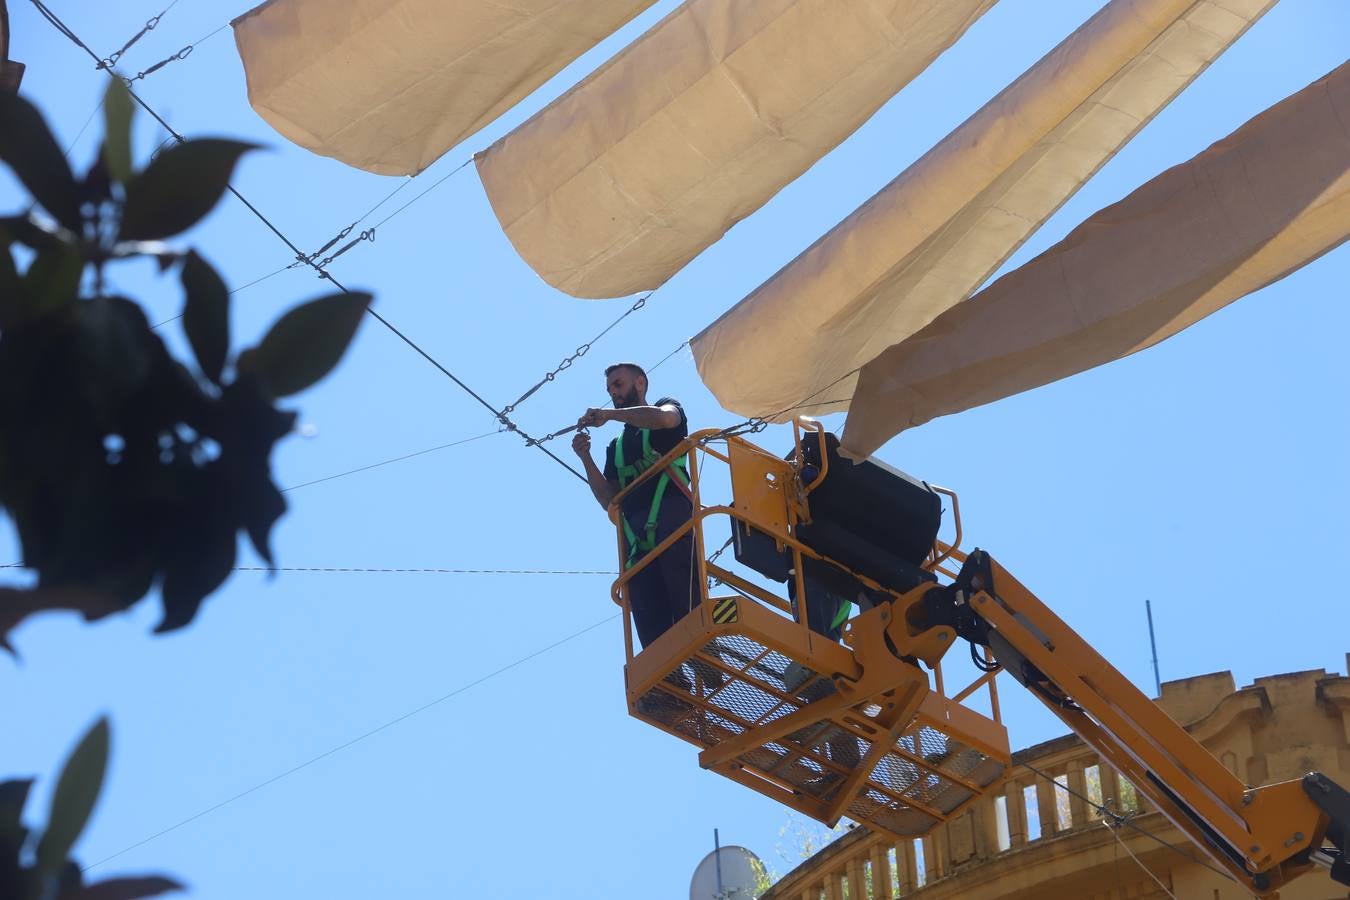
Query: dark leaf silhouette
pixel 97 186
pixel 126 889
pixel 179 188
pixel 204 560
pixel 11 289
pixel 206 315
pixel 76 792
pixel 17 605
pixel 53 279
pixel 307 342
pixel 27 147
pixel 23 230
pixel 120 467
pixel 13 796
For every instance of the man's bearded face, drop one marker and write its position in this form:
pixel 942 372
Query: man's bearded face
pixel 623 388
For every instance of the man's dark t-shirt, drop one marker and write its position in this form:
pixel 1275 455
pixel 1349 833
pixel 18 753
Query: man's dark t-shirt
pixel 638 505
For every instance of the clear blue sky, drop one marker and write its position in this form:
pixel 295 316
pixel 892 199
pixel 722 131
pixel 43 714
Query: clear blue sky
pixel 1207 474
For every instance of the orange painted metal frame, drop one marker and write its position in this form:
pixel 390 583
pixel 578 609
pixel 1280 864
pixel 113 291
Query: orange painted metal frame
pixel 769 497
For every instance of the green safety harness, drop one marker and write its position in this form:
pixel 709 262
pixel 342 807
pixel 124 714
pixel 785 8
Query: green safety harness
pixel 845 610
pixel 627 472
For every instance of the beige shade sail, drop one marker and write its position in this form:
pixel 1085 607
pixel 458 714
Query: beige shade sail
pixel 390 85
pixel 932 236
pixel 614 187
pixel 1271 197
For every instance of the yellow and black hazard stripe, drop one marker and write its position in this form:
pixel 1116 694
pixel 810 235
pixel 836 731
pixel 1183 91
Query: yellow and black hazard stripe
pixel 725 612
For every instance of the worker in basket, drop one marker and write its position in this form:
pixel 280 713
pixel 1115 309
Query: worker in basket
pixel 663 592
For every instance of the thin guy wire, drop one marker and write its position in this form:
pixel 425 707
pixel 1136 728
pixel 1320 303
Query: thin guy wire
pixel 1130 824
pixel 667 357
pixel 1122 843
pixel 242 287
pixel 1115 867
pixel 353 741
pixel 343 570
pixel 209 35
pixel 756 424
pixel 802 403
pixel 369 233
pixel 389 196
pixel 435 185
pixel 822 403
pixel 386 462
pixel 184 53
pixel 260 279
pixel 299 254
pixel 83 128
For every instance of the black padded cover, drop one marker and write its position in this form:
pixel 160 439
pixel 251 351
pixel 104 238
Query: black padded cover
pixel 873 519
pixel 883 506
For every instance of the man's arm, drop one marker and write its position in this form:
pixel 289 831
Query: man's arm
pixel 603 489
pixel 665 416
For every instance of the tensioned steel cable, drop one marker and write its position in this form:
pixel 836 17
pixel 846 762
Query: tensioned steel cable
pixel 300 255
pixel 756 424
pixel 356 740
pixel 386 462
pixel 759 423
pixel 435 184
pixel 665 359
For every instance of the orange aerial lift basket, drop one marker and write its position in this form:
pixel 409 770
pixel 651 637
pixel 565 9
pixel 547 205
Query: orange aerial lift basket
pixel 831 715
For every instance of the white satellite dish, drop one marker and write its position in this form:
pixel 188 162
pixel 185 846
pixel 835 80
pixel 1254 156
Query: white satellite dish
pixel 738 878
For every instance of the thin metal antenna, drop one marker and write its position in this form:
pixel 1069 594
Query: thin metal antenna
pixel 717 857
pixel 1157 679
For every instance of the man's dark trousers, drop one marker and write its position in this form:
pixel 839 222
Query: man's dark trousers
pixel 667 588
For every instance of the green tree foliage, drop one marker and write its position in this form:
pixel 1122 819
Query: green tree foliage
pixel 38 867
pixel 122 467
